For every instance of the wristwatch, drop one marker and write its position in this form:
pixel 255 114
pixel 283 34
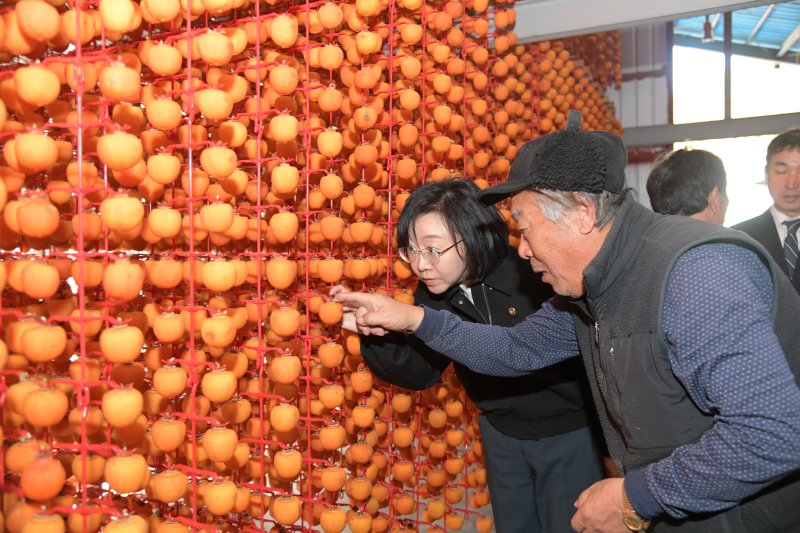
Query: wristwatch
pixel 630 517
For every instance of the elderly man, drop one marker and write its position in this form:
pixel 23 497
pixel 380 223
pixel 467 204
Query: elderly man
pixel 686 330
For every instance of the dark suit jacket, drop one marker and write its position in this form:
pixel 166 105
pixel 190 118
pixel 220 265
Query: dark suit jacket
pixel 762 229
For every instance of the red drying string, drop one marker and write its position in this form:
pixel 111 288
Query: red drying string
pixel 261 296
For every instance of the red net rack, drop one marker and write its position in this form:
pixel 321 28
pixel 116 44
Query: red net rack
pixel 181 183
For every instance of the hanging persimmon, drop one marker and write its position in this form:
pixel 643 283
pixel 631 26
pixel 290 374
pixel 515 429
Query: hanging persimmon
pixel 330 270
pixel 219 385
pixel 333 519
pixel 38 217
pixel 285 369
pixel 169 486
pixel 122 212
pixel 44 343
pixel 165 222
pixel 119 150
pixel 283 128
pixel 283 30
pixel 218 331
pixel 217 275
pixel 333 478
pixel 220 443
pixel 332 437
pixel 283 79
pixel 331 57
pixel 165 273
pixel 329 144
pixel 37 19
pixel 331 395
pixel 126 473
pixel 117 15
pixel 330 312
pixel 40 280
pixel 330 99
pixel 288 463
pixel 215 48
pixel 218 162
pixel 43 478
pixel 214 104
pixel 281 272
pixel 168 433
pixel 284 226
pixel 170 381
pixel 284 321
pixel 45 407
pixel 121 343
pixel 169 327
pixel 36 84
pixel 164 113
pixel 286 510
pixel 284 417
pixel 121 407
pixel 220 496
pixel 88 468
pixel 119 82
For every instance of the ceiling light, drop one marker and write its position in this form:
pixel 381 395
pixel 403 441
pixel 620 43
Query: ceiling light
pixel 708 32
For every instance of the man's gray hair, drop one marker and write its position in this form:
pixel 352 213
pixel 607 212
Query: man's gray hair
pixel 555 204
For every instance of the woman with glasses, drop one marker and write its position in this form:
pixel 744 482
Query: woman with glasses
pixel 539 449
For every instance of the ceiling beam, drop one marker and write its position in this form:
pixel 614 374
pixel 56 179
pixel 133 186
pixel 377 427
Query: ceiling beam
pixel 753 50
pixel 761 21
pixel 790 40
pixel 717 129
pixel 549 19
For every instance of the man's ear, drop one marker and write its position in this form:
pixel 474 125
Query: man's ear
pixel 585 213
pixel 713 200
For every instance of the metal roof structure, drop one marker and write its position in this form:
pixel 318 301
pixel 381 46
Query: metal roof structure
pixel 767 31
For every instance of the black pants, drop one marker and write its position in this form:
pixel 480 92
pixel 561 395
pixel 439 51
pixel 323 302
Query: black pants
pixel 534 483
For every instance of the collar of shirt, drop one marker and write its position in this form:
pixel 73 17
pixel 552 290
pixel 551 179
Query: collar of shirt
pixel 467 290
pixel 779 219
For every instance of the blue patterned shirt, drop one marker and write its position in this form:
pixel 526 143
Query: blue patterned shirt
pixel 723 349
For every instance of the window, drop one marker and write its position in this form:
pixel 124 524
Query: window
pixel 698 85
pixel 762 87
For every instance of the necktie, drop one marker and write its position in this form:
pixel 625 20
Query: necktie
pixel 790 244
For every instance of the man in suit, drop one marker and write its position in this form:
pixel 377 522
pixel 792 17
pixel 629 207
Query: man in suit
pixel 776 229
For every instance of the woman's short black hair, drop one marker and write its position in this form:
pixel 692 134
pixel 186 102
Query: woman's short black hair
pixel 481 228
pixel 681 181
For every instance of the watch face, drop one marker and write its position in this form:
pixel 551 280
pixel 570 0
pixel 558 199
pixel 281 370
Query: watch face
pixel 634 523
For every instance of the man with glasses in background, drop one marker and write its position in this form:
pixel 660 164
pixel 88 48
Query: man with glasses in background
pixel 776 228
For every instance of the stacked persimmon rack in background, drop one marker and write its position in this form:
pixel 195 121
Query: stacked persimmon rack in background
pixel 181 183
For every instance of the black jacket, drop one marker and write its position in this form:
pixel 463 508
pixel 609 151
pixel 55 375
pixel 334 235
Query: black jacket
pixel 762 229
pixel 547 402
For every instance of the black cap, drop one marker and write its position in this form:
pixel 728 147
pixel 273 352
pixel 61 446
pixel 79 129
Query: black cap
pixel 567 160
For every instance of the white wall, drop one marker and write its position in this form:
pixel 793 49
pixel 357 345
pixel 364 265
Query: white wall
pixel 643 99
